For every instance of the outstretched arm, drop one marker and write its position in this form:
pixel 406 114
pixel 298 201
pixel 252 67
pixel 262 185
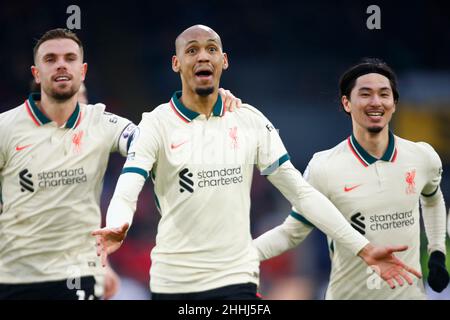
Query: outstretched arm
pixel 141 157
pixel 325 216
pixel 281 238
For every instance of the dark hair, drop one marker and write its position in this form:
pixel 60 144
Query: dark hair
pixel 57 34
pixel 367 65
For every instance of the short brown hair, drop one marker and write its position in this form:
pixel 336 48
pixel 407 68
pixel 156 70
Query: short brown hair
pixel 57 34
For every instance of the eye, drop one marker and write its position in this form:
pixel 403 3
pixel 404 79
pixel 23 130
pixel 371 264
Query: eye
pixel 49 59
pixel 191 50
pixel 212 49
pixel 365 95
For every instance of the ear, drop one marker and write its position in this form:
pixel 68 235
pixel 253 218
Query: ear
pixel 35 73
pixel 346 104
pixel 225 61
pixel 84 71
pixel 175 64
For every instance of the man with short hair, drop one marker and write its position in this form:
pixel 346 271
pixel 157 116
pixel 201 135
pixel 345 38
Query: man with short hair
pixel 54 151
pixel 376 180
pixel 53 156
pixel 201 161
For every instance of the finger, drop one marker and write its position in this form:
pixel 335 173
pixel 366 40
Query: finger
pixel 96 232
pixel 399 280
pixel 99 247
pixel 239 103
pixel 390 283
pixel 233 105
pixel 413 271
pixel 408 268
pixel 104 254
pixel 99 232
pixel 406 277
pixel 125 227
pixel 393 249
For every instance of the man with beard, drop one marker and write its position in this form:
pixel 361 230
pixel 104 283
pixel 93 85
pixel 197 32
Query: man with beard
pixel 201 161
pixel 53 156
pixel 110 280
pixel 376 180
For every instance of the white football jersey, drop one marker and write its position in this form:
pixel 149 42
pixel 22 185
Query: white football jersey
pixel 380 198
pixel 51 180
pixel 202 171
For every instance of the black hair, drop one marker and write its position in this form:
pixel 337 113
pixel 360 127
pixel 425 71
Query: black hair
pixel 367 65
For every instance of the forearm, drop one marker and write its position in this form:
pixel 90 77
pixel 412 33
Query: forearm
pixel 316 207
pixel 281 238
pixel 434 218
pixel 123 204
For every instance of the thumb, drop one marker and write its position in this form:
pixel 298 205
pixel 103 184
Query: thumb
pixel 124 227
pixel 399 248
pixel 97 232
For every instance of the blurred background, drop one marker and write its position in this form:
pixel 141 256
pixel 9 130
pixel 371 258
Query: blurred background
pixel 285 58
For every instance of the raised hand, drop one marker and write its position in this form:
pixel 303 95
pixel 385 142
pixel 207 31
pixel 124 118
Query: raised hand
pixel 387 265
pixel 109 240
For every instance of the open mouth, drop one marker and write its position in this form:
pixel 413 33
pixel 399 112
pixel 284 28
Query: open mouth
pixel 375 115
pixel 61 78
pixel 204 74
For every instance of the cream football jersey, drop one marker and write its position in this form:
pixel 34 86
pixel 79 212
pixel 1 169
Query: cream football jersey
pixel 202 171
pixel 380 198
pixel 51 180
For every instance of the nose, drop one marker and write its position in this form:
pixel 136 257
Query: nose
pixel 61 64
pixel 203 55
pixel 376 101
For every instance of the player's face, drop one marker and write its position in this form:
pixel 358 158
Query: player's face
pixel 200 62
pixel 59 68
pixel 371 102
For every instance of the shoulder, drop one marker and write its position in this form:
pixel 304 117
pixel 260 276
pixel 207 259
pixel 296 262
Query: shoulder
pixel 98 112
pixel 420 150
pixel 7 116
pixel 329 155
pixel 253 117
pixel 249 111
pixel 157 114
pixel 9 119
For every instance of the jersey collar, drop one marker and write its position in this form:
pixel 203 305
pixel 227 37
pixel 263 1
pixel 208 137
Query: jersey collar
pixel 188 115
pixel 40 118
pixel 365 158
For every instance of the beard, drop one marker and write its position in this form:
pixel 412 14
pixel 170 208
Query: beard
pixel 61 96
pixel 204 92
pixel 374 129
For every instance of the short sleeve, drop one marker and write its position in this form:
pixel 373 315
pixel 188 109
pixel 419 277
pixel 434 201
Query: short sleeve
pixel 271 152
pixel 434 166
pixel 145 146
pixel 120 130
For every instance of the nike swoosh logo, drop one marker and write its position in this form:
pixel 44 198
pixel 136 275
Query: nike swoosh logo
pixel 174 146
pixel 348 189
pixel 20 148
